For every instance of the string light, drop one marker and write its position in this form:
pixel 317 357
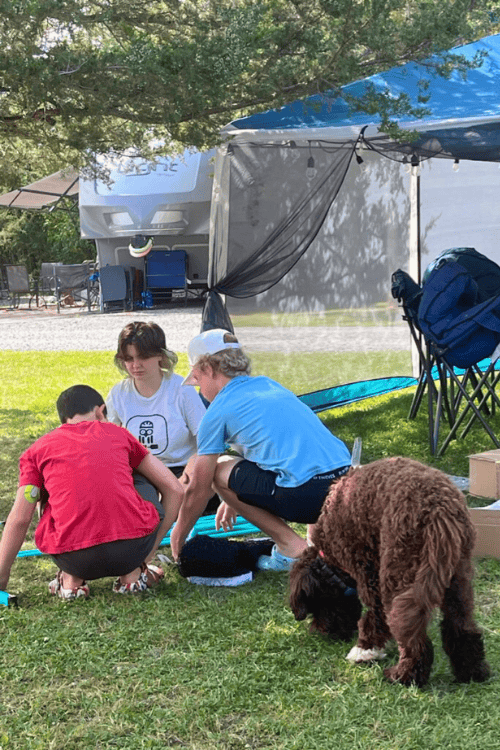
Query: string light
pixel 311 170
pixel 415 165
pixel 456 165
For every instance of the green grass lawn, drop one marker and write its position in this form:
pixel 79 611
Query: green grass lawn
pixel 217 669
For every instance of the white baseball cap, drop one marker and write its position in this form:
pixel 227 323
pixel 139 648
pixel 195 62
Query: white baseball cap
pixel 207 343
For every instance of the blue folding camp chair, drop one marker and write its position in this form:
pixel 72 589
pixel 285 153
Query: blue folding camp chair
pixel 455 323
pixel 166 271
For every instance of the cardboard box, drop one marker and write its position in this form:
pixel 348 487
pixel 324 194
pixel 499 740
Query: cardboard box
pixel 484 474
pixel 487 524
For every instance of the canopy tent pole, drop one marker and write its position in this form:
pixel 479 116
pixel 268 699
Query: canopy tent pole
pixel 414 245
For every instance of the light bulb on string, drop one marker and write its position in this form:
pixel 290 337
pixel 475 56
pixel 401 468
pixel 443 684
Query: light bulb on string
pixel 415 165
pixel 364 166
pixel 456 165
pixel 311 170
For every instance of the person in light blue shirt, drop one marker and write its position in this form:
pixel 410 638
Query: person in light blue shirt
pixel 284 458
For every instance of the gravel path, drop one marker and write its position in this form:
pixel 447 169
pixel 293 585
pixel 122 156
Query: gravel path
pixel 36 330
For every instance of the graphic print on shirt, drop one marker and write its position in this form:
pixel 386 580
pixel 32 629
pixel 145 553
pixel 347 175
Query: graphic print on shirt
pixel 151 431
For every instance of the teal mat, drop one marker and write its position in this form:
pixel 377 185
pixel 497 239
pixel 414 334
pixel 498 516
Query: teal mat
pixel 349 393
pixel 204 525
pixel 341 395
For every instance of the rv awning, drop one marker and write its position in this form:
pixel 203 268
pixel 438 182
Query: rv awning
pixel 44 193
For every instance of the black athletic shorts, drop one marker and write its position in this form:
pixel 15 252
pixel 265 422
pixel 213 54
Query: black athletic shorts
pixel 300 504
pixel 114 558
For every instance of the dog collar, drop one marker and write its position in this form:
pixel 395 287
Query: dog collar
pixel 348 590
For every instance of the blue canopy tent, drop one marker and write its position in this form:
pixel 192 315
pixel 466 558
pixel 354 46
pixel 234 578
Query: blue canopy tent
pixel 280 171
pixel 462 122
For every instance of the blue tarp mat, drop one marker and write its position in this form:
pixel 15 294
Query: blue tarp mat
pixel 341 395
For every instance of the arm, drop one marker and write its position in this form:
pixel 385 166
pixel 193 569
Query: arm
pixel 197 493
pixel 14 533
pixel 188 470
pixel 192 408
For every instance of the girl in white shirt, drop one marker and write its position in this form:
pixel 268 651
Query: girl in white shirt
pixel 151 401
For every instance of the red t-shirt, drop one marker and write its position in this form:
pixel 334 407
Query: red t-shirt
pixel 87 470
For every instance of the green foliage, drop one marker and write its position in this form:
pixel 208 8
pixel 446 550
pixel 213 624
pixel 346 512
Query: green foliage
pixel 31 238
pixel 83 77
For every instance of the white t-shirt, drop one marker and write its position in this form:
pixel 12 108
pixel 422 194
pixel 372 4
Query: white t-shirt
pixel 165 423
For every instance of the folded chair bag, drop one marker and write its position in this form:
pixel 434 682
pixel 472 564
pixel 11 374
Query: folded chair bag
pixel 484 271
pixel 450 315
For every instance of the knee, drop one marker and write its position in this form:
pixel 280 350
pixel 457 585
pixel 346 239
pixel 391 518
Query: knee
pixel 222 473
pixel 221 477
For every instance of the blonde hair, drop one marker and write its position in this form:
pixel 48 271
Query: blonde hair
pixel 229 362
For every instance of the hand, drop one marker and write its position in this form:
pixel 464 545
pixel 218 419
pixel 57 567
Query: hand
pixel 225 517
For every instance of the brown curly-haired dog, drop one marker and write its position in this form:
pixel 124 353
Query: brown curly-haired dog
pixel 402 531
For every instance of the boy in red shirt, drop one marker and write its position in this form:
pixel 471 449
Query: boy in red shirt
pixel 94 523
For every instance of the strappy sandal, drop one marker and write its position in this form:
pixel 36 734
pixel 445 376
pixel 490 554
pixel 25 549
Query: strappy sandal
pixel 148 577
pixel 79 592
